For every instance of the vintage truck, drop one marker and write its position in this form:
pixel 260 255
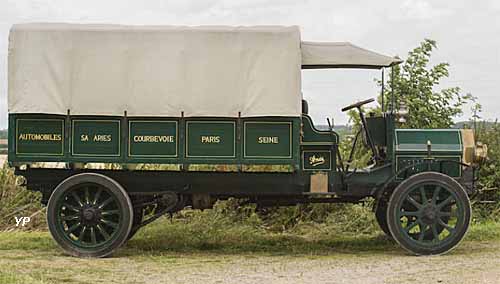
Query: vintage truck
pixel 119 125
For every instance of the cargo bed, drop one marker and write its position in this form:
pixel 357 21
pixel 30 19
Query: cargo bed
pixel 223 144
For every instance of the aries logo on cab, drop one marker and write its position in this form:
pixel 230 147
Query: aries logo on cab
pixel 316 160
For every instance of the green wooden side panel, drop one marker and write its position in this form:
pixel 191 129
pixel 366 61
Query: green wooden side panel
pixel 316 160
pixel 448 140
pixel 411 150
pixel 267 140
pixel 153 139
pixel 377 128
pixel 313 136
pixel 210 139
pixel 449 168
pixel 318 148
pixel 39 137
pixel 96 137
pixel 274 141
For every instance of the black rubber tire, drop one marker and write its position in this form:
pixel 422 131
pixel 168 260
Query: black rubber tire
pixel 381 217
pixel 114 188
pixel 400 193
pixel 135 223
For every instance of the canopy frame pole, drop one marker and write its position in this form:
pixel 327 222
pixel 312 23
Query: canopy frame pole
pixel 383 91
pixel 392 90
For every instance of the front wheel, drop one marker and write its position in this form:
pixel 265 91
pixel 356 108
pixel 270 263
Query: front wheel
pixel 429 213
pixel 89 215
pixel 381 217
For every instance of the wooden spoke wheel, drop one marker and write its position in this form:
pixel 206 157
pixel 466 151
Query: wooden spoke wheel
pixel 89 215
pixel 429 213
pixel 381 217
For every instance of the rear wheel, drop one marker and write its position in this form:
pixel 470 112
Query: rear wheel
pixel 138 214
pixel 89 215
pixel 429 213
pixel 136 223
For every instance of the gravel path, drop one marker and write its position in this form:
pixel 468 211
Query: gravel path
pixel 480 265
pixel 473 262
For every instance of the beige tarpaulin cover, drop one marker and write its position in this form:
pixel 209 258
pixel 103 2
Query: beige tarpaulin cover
pixel 154 70
pixel 342 54
pixel 168 70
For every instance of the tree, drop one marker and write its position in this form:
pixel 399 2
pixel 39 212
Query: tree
pixel 415 84
pixel 489 173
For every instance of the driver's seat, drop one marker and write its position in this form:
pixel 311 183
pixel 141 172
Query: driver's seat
pixel 305 107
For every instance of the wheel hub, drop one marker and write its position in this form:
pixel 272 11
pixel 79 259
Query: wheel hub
pixel 429 214
pixel 90 215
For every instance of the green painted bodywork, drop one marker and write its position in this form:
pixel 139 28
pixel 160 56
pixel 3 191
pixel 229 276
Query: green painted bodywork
pixel 95 138
pixel 415 140
pixel 317 144
pixel 317 160
pixel 211 139
pixel 411 148
pixel 267 140
pixel 378 131
pixel 143 140
pixel 313 136
pixel 39 137
pixel 281 145
pixel 418 165
pixel 153 139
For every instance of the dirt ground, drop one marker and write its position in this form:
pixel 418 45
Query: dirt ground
pixel 472 262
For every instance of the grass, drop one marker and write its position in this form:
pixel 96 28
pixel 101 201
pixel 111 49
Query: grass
pixel 175 245
pixel 484 231
pixel 233 229
pixel 207 240
pixel 9 277
pixel 173 236
pixel 179 237
pixel 17 201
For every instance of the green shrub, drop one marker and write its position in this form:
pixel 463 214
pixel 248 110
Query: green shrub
pixel 487 202
pixel 17 201
pixel 304 219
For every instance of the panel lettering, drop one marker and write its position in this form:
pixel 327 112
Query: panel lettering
pixel 39 136
pixel 156 138
pixel 96 137
pixel 317 160
pixel 214 139
pixel 210 139
pixel 270 140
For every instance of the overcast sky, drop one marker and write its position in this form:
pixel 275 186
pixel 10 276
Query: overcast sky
pixel 467 32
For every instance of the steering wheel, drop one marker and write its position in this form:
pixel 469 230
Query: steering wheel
pixel 358 104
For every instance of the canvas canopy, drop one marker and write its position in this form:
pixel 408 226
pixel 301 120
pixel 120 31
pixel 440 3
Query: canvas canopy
pixel 167 70
pixel 154 70
pixel 316 55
